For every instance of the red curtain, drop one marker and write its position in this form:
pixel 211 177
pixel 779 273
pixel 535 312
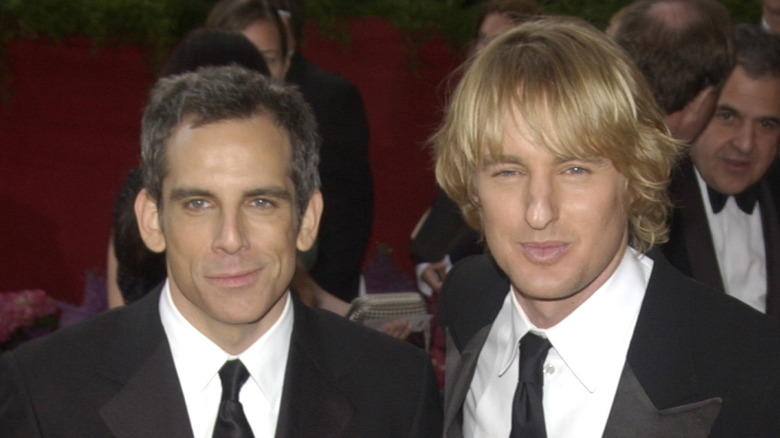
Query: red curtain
pixel 69 134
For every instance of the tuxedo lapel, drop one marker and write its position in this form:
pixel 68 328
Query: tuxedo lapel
pixel 695 229
pixel 460 372
pixel 151 403
pixel 312 405
pixel 659 393
pixel 770 222
pixel 633 414
pixel 658 354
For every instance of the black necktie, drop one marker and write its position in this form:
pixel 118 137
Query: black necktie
pixel 746 201
pixel 231 421
pixel 527 410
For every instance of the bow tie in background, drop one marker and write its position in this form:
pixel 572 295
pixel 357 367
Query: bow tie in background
pixel 745 200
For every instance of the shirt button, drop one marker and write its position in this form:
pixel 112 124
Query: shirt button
pixel 549 369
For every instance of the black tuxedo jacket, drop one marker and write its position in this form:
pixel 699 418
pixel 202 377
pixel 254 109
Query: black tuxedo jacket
pixel 700 364
pixel 690 248
pixel 114 376
pixel 347 187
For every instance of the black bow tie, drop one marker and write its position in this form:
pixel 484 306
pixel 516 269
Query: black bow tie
pixel 746 201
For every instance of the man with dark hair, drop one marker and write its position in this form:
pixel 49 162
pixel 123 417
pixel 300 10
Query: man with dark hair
pixel 725 230
pixel 684 48
pixel 231 194
pixel 553 147
pixel 261 24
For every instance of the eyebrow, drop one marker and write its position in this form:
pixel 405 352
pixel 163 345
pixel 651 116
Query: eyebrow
pixel 492 160
pixel 727 107
pixel 270 192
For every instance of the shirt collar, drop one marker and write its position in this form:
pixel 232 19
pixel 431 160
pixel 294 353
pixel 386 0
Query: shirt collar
pixel 607 317
pixel 198 359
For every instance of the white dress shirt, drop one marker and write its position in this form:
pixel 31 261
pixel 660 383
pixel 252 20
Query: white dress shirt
pixel 198 360
pixel 582 369
pixel 738 238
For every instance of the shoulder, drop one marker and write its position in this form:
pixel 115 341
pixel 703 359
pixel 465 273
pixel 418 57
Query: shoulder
pixel 729 347
pixel 128 332
pixel 471 296
pixel 352 347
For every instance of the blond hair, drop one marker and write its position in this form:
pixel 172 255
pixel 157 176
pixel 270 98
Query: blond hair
pixel 580 97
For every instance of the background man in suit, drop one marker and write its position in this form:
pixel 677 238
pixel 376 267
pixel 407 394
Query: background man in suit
pixel 554 148
pixel 347 186
pixel 684 48
pixel 725 230
pixel 229 162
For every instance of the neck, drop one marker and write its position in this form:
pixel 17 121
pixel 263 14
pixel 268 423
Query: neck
pixel 546 314
pixel 549 312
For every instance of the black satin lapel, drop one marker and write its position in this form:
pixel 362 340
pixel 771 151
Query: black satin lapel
pixel 633 414
pixel 771 226
pixel 697 234
pixel 151 403
pixel 311 406
pixel 459 375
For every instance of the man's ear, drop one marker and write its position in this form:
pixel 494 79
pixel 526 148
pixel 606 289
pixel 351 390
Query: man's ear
pixel 697 114
pixel 148 216
pixel 310 222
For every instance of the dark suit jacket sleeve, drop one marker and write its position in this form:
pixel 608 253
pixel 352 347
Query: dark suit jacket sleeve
pixel 344 168
pixel 17 419
pixel 428 416
pixel 444 232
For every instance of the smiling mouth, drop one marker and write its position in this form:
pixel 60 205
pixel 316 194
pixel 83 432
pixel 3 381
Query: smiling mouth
pixel 545 252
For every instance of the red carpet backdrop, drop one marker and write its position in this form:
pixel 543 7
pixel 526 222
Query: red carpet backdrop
pixel 69 134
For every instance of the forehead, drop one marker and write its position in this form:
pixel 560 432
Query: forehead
pixel 226 147
pixel 494 24
pixel 757 96
pixel 541 131
pixel 263 34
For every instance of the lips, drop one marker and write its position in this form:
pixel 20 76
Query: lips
pixel 545 252
pixel 736 164
pixel 234 280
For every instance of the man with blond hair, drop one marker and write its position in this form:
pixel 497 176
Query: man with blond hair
pixel 553 148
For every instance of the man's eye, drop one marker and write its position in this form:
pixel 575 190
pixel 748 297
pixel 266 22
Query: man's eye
pixel 726 116
pixel 262 203
pixel 576 170
pixel 197 204
pixel 770 125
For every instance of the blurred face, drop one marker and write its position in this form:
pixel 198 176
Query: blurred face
pixel 557 227
pixel 228 225
pixel 772 6
pixel 492 26
pixel 265 36
pixel 740 142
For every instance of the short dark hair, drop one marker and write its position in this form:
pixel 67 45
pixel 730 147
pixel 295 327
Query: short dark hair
pixel 239 14
pixel 214 47
pixel 681 54
pixel 214 94
pixel 758 51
